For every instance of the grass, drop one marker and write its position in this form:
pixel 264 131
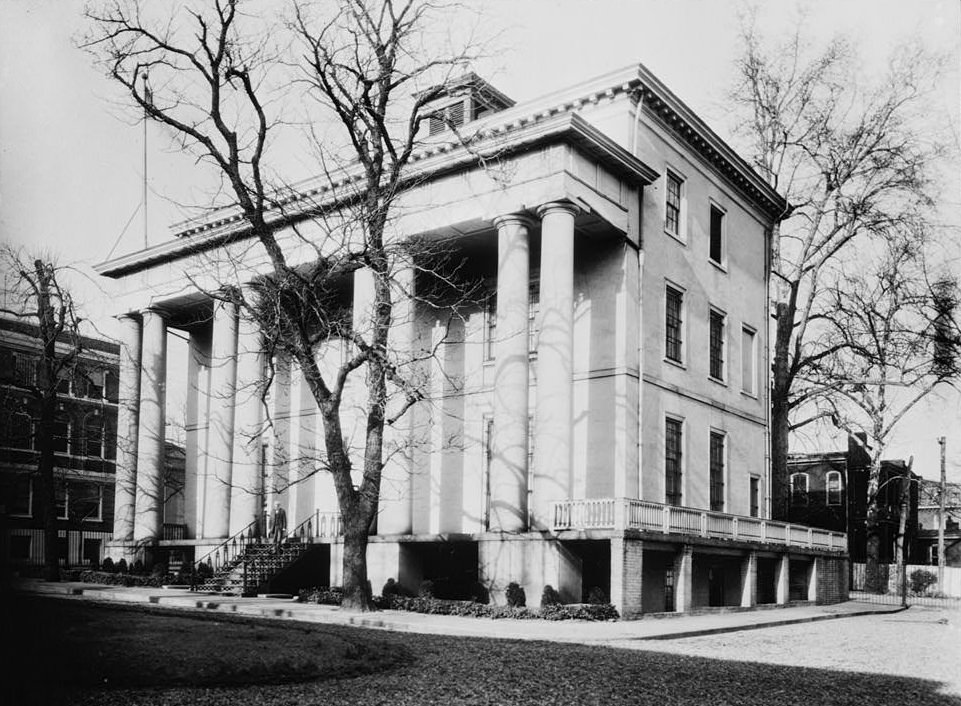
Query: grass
pixel 81 653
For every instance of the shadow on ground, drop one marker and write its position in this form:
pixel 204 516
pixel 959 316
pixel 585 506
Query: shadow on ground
pixel 81 653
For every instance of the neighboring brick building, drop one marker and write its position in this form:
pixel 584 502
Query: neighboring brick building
pixel 830 490
pixel 85 446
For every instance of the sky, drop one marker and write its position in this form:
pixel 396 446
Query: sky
pixel 71 156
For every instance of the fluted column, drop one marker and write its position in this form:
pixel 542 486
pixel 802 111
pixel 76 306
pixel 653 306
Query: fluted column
pixel 148 522
pixel 220 423
pixel 198 394
pixel 508 474
pixel 555 353
pixel 246 488
pixel 128 426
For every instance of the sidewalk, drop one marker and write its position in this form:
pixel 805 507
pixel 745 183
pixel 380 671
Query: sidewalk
pixel 401 621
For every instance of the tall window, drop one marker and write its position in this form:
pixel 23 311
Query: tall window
pixel 86 501
pixel 487 440
pixel 799 488
pixel 834 488
pixel 674 349
pixel 21 495
pixel 17 431
pixel 673 430
pixel 61 497
pixel 755 496
pixel 748 361
pixel 717 234
pixel 93 436
pixel 672 206
pixel 61 434
pixel 533 308
pixel 717 345
pixel 717 471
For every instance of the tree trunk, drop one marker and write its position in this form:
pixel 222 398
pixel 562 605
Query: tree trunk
pixel 48 491
pixel 901 540
pixel 780 414
pixel 872 570
pixel 357 591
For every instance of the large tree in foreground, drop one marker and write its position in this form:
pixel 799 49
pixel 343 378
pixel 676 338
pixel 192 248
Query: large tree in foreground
pixel 891 345
pixel 851 156
pixel 226 77
pixel 34 295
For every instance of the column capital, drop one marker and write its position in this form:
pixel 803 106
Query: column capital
pixel 128 316
pixel 518 219
pixel 557 207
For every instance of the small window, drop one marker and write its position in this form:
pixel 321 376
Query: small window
pixel 86 501
pixel 717 471
pixel 93 437
pixel 490 327
pixel 673 458
pixel 834 488
pixel 748 361
pixel 717 235
pixel 673 325
pixel 487 441
pixel 61 496
pixel 533 310
pixel 755 496
pixel 799 488
pixel 20 495
pixel 672 205
pixel 716 343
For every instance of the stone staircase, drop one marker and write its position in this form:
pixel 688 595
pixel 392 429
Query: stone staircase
pixel 252 569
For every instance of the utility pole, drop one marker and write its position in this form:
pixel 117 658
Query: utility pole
pixel 941 507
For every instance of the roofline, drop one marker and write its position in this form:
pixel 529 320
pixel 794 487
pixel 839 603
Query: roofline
pixel 435 161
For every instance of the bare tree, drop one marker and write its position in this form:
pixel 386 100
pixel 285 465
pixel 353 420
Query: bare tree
pixel 888 350
pixel 35 296
pixel 221 79
pixel 852 163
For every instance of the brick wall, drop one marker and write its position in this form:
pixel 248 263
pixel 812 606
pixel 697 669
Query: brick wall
pixel 832 580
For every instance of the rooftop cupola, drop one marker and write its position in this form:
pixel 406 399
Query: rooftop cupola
pixel 465 99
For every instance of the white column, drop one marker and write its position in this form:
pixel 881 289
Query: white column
pixel 508 478
pixel 555 355
pixel 195 467
pixel 684 580
pixel 246 489
pixel 749 580
pixel 220 431
pixel 396 490
pixel 128 423
pixel 148 522
pixel 782 586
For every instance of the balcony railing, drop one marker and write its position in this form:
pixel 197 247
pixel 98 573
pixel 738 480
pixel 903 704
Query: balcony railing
pixel 625 513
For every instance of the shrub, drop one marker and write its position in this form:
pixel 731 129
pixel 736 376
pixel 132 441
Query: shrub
pixel 597 596
pixel 122 566
pixel 580 611
pixel 479 593
pixel 323 595
pixel 550 597
pixel 426 589
pixel 137 568
pixel 922 580
pixel 204 571
pixel 439 606
pixel 107 566
pixel 516 598
pixel 391 588
pixel 159 570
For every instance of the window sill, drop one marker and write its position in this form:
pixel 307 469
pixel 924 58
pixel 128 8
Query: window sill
pixel 718 265
pixel 717 381
pixel 675 363
pixel 680 239
pixel 751 395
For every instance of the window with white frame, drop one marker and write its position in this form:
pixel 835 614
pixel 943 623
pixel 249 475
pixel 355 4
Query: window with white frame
pixel 833 489
pixel 755 499
pixel 673 204
pixel 716 343
pixel 93 436
pixel 533 310
pixel 717 463
pixel 799 488
pixel 673 460
pixel 61 499
pixel 748 360
pixel 86 501
pixel 674 324
pixel 717 235
pixel 490 327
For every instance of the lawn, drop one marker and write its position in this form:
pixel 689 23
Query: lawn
pixel 75 652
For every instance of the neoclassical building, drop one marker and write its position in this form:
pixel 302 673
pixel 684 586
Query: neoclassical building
pixel 598 422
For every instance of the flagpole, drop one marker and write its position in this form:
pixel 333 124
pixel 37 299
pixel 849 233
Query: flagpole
pixel 147 97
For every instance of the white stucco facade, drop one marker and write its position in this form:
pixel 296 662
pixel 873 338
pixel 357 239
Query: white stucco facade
pixel 539 453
